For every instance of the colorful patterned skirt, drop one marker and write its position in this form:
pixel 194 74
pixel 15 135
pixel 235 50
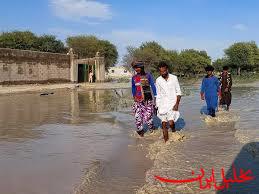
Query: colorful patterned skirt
pixel 143 112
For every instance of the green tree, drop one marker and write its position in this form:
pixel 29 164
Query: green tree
pixel 172 58
pixel 27 40
pixel 87 46
pixel 84 46
pixel 219 63
pixel 256 65
pixel 242 56
pixel 192 62
pixel 49 43
pixel 129 56
pixel 18 40
pixel 153 47
pixel 110 53
pixel 188 62
pixel 151 53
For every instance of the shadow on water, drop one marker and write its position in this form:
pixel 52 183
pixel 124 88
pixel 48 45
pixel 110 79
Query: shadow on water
pixel 247 159
pixel 179 125
pixel 21 114
pixel 204 110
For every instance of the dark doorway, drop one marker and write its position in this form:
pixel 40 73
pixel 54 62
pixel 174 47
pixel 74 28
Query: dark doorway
pixel 82 73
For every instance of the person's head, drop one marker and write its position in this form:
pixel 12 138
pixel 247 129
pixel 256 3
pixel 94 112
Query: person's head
pixel 138 66
pixel 209 69
pixel 163 69
pixel 225 68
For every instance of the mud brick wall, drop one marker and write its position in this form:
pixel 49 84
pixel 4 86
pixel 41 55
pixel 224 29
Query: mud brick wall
pixel 21 66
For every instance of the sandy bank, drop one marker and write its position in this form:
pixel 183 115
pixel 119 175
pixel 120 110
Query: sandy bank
pixel 10 89
pixel 48 87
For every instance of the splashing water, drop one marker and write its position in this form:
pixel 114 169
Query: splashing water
pixel 222 117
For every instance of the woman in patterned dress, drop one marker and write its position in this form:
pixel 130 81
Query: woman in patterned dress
pixel 144 92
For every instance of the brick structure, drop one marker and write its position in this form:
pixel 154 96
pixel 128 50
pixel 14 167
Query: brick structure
pixel 24 66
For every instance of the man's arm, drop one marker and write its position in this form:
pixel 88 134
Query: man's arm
pixel 152 84
pixel 178 94
pixel 176 106
pixel 202 89
pixel 158 91
pixel 219 84
pixel 133 88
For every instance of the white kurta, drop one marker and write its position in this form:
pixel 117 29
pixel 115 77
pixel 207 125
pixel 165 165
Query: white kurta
pixel 167 92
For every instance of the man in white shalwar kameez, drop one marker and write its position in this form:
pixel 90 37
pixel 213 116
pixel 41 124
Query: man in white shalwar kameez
pixel 168 98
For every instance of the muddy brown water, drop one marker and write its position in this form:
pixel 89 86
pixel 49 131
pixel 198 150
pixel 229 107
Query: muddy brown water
pixel 78 141
pixel 49 143
pixel 232 138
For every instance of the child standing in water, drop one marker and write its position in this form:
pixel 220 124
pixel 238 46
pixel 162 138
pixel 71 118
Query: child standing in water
pixel 91 76
pixel 144 92
pixel 210 89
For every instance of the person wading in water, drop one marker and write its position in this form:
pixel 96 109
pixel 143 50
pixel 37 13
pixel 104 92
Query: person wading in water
pixel 144 93
pixel 226 84
pixel 168 98
pixel 210 90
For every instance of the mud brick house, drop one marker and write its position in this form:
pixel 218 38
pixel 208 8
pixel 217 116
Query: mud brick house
pixel 24 66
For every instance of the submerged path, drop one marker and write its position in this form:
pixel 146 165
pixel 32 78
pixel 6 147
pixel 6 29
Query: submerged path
pixel 230 139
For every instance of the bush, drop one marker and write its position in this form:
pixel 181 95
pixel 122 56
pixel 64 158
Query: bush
pixel 26 40
pixel 245 77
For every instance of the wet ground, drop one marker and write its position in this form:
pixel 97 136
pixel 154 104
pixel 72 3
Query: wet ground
pixel 81 142
pixel 54 143
pixel 231 139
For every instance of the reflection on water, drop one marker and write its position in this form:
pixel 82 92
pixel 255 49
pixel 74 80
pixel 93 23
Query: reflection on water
pixel 48 142
pixel 77 142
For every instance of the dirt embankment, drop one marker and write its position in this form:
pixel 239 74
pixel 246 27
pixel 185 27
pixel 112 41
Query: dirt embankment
pixel 10 89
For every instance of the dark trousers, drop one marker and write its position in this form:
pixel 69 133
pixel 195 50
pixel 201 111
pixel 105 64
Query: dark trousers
pixel 212 112
pixel 226 98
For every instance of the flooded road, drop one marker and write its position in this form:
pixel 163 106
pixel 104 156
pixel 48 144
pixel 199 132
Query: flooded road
pixel 231 139
pixel 50 144
pixel 80 142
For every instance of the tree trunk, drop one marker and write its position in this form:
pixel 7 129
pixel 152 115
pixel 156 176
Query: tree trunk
pixel 238 71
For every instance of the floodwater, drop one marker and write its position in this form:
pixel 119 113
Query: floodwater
pixel 81 142
pixel 231 139
pixel 65 142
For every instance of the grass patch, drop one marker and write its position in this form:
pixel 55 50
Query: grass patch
pixel 245 78
pixel 119 80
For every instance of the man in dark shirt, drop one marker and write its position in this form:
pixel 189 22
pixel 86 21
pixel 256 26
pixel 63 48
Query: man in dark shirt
pixel 226 84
